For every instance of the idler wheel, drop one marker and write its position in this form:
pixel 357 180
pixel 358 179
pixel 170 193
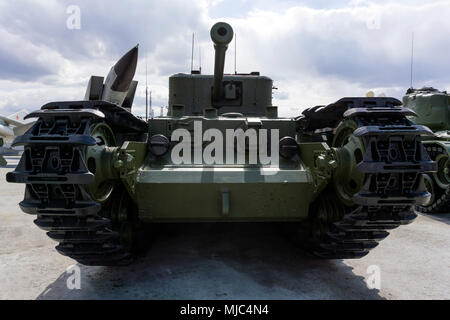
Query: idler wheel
pixel 350 150
pixel 98 164
pixel 430 186
pixel 442 176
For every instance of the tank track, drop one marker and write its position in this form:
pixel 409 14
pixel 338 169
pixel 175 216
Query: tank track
pixel 393 163
pixel 55 172
pixel 442 203
pixel 359 231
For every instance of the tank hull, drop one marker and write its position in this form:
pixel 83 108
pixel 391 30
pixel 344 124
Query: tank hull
pixel 223 194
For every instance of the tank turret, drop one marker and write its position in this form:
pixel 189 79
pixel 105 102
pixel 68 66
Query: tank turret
pixel 248 94
pixel 431 105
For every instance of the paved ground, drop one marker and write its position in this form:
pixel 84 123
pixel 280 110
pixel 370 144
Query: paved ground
pixel 223 261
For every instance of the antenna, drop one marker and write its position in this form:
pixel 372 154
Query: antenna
pixel 150 104
pixel 192 53
pixel 235 40
pixel 146 92
pixel 200 58
pixel 412 59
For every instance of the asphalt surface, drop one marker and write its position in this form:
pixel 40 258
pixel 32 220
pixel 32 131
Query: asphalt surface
pixel 223 261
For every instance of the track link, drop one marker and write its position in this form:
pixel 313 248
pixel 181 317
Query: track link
pixel 55 172
pixel 393 164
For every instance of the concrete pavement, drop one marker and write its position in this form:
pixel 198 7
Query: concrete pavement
pixel 223 261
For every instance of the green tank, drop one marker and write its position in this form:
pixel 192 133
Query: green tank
pixel 337 178
pixel 433 110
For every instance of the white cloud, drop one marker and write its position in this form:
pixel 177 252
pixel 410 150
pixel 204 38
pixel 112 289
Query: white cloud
pixel 315 53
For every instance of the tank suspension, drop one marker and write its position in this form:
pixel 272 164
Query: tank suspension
pixel 58 176
pixel 392 165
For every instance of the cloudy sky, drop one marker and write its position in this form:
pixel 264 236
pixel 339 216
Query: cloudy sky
pixel 316 51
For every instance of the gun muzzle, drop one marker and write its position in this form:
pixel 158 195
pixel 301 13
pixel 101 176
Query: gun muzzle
pixel 221 35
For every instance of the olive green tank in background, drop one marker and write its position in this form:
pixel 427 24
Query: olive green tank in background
pixel 433 110
pixel 336 178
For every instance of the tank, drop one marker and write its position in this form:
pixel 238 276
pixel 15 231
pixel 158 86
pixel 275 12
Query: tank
pixel 336 178
pixel 433 110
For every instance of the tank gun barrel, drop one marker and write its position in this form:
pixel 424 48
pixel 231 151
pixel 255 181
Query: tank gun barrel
pixel 221 35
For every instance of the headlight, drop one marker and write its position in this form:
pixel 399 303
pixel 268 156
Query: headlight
pixel 159 144
pixel 288 147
